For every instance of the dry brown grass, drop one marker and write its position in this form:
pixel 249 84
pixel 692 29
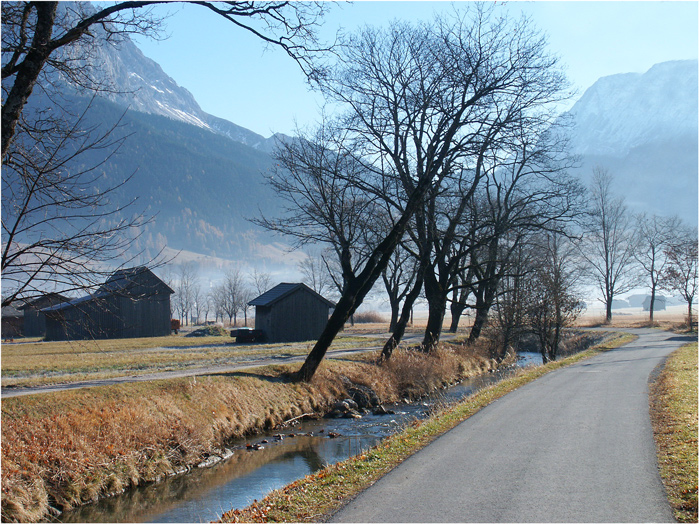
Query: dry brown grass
pixel 64 449
pixel 51 362
pixel 317 496
pixel 674 416
pixel 369 317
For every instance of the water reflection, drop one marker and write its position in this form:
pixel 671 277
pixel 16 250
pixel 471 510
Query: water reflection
pixel 203 494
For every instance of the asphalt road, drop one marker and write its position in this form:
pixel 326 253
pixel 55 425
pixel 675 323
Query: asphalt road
pixel 575 445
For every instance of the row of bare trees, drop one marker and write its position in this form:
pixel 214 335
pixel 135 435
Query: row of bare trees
pixel 623 251
pixel 447 177
pixel 225 300
pixel 447 158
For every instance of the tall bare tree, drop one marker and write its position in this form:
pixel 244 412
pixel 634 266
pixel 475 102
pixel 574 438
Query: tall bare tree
pixel 315 273
pixel 609 243
pixel 186 288
pixel 56 229
pixel 654 235
pixel 681 270
pixel 261 281
pixel 417 97
pixel 552 295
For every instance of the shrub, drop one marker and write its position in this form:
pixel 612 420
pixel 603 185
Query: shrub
pixel 369 317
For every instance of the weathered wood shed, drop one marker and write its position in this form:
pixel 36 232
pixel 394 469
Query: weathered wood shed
pixel 34 320
pixel 12 320
pixel 291 313
pixel 132 303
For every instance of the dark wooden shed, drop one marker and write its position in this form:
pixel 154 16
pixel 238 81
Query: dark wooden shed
pixel 12 320
pixel 291 313
pixel 132 303
pixel 34 320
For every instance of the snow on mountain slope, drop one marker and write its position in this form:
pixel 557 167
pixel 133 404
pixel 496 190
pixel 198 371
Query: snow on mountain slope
pixel 136 82
pixel 625 111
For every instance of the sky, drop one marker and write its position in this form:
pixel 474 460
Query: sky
pixel 233 75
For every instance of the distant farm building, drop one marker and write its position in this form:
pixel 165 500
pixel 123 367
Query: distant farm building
pixel 291 313
pixel 659 304
pixel 12 320
pixel 34 320
pixel 131 303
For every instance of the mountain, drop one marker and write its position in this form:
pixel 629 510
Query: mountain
pixel 202 176
pixel 139 83
pixel 643 129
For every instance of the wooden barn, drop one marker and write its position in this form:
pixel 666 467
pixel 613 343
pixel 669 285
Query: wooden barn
pixel 12 321
pixel 131 303
pixel 291 313
pixel 34 320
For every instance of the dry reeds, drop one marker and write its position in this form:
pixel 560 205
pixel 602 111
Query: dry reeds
pixel 69 448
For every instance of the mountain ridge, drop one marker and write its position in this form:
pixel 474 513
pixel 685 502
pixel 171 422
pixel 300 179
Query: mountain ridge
pixel 620 112
pixel 204 174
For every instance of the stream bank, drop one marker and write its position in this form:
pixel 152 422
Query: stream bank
pixel 67 449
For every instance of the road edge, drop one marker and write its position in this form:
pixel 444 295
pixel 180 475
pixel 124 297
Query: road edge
pixel 319 496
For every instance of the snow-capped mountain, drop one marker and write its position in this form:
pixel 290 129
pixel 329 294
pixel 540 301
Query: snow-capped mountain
pixel 625 111
pixel 139 83
pixel 643 128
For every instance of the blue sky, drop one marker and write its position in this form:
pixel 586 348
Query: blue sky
pixel 232 75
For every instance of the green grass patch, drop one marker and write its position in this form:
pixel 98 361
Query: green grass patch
pixel 317 496
pixel 674 415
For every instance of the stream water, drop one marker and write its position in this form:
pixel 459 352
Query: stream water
pixel 203 494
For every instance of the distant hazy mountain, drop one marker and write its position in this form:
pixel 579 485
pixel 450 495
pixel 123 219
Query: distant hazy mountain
pixel 643 129
pixel 202 175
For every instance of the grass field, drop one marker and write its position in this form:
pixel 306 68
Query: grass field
pixel 674 416
pixel 36 363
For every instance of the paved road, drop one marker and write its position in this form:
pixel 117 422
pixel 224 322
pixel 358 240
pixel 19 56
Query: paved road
pixel 575 445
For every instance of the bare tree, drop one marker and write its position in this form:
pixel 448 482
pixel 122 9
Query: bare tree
pixel 681 270
pixel 315 273
pixel 609 243
pixel 654 235
pixel 35 32
pixel 56 229
pixel 186 288
pixel 551 297
pixel 261 281
pixel 417 98
pixel 230 295
pixel 59 226
pixel 398 278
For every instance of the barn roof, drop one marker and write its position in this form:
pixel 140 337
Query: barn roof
pixel 118 282
pixel 45 300
pixel 122 279
pixel 282 290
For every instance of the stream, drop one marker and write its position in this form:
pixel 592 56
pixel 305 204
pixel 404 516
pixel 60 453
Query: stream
pixel 203 494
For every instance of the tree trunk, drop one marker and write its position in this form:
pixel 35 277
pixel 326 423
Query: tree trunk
pixel 29 71
pixel 484 300
pixel 690 318
pixel 343 310
pixel 405 317
pixel 478 321
pixel 652 303
pixel 608 318
pixel 437 306
pixel 395 311
pixel 457 309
